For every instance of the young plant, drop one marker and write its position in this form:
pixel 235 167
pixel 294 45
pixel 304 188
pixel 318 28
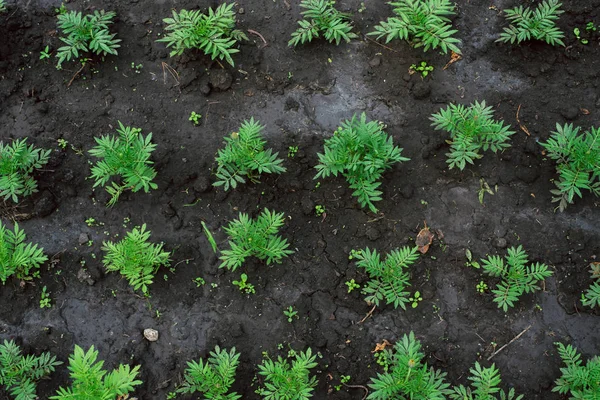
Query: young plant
pixel 90 381
pixel 285 381
pixel 516 276
pixel 213 33
pixel 591 298
pixel 135 258
pixel 471 129
pixel 19 374
pixel 539 24
pixel 290 313
pixel 244 285
pixel 360 151
pixel 484 386
pixel 352 285
pixel 320 210
pixel 209 237
pixel 127 156
pixel 389 278
pixel 2 6
pixel 17 257
pixel 578 162
pixel 320 16
pixel 17 163
pixel 406 376
pixel 255 237
pixel 581 381
pixel 86 33
pixel 195 118
pixel 423 23
pixel 244 155
pixel 45 300
pixel 212 378
pixel 415 299
pixel 422 68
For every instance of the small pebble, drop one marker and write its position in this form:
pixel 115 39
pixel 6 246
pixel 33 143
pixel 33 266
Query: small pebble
pixel 151 334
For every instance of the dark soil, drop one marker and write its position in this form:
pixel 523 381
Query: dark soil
pixel 301 95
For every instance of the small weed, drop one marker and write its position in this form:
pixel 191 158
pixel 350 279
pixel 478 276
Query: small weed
pixel 209 236
pixel 171 395
pixel 352 285
pixel 482 287
pixel 290 313
pixel 343 380
pixel 470 262
pixel 243 285
pixel 195 118
pixel 319 210
pixel 422 68
pixel 292 150
pixel 45 301
pixel 483 189
pixel 62 143
pixel 137 68
pixel 577 33
pixel 415 299
pixel 355 254
pixel 45 54
pixel 199 281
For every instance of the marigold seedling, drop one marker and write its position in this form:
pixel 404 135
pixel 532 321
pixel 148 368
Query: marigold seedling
pixel 44 54
pixel 539 24
pixel 17 164
pixel 578 380
pixel 321 17
pixel 591 298
pixel 288 380
pixel 18 257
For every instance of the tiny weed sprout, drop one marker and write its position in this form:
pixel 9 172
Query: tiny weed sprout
pixel 406 375
pixel 244 155
pixel 538 24
pixel 45 301
pixel 577 33
pixel 213 33
pixel 243 285
pixel 421 68
pixel 214 377
pixel 470 262
pixel 290 314
pixel 127 156
pixel 135 258
pixel 17 257
pixel 352 285
pixel 423 23
pixel 578 380
pixel 389 278
pixel 483 189
pixel 284 380
pixel 415 299
pixel 45 54
pixel 209 237
pixel 90 381
pixel 321 17
pixel 354 254
pixel 591 298
pixel 471 129
pixel 482 287
pixel 199 281
pixel 484 385
pixel 62 143
pixel 292 150
pixel 360 151
pixel 19 374
pixel 516 276
pixel 343 380
pixel 255 237
pixel 17 162
pixel 578 162
pixel 319 210
pixel 195 118
pixel 590 27
pixel 86 33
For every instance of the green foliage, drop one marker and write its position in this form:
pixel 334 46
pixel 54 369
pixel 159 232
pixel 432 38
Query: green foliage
pixel 245 155
pixel 212 378
pixel 581 381
pixel 17 163
pixel 86 33
pixel 18 257
pixel 135 258
pixel 290 313
pixel 591 298
pixel 244 285
pixel 360 151
pixel 213 33
pixel 91 382
pixel 389 278
pixel 422 68
pixel 406 375
pixel 578 162
pixel 128 156
pixel 209 237
pixel 2 6
pixel 527 24
pixel 517 278
pixel 484 386
pixel 320 16
pixel 285 381
pixel 424 23
pixel 19 374
pixel 255 237
pixel 471 129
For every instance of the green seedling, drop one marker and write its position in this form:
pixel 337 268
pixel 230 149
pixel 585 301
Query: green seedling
pixel 590 27
pixel 18 257
pixel 343 380
pixel 321 17
pixel 62 143
pixel 209 236
pixel 285 380
pixel 470 262
pixel 45 301
pixel 591 298
pixel 354 254
pixel 290 313
pixel 422 68
pixel 45 54
pixel 319 210
pixel 577 379
pixel 17 164
pixel 195 118
pixel 482 287
pixel 415 299
pixel 243 285
pixel 352 285
pixel 527 24
pixel 199 281
pixel 483 189
pixel 137 68
pixel 292 150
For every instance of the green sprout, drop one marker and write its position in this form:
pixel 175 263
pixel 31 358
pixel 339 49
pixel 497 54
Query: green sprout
pixel 415 299
pixel 320 210
pixel 62 143
pixel 354 254
pixel 45 301
pixel 482 287
pixel 352 285
pixel 44 54
pixel 292 150
pixel 195 118
pixel 290 313
pixel 422 68
pixel 243 285
pixel 199 281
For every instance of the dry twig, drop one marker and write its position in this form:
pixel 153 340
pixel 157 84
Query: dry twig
pixel 513 339
pixel 265 44
pixel 368 314
pixel 77 73
pixel 523 127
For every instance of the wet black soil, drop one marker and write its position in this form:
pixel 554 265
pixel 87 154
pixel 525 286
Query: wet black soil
pixel 301 95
